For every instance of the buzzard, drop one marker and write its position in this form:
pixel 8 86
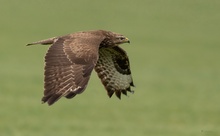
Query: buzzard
pixel 71 59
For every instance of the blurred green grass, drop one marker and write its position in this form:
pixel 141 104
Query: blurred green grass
pixel 174 58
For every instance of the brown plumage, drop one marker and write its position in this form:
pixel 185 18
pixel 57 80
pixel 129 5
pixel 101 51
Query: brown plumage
pixel 71 59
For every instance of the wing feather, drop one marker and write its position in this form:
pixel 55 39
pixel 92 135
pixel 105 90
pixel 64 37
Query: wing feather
pixel 113 69
pixel 68 66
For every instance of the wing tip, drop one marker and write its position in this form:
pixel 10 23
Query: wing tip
pixel 110 93
pixel 51 99
pixel 119 92
pixel 70 95
pixel 132 84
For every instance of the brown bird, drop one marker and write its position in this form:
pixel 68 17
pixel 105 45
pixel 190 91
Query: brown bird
pixel 71 59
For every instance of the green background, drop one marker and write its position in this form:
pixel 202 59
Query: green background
pixel 174 56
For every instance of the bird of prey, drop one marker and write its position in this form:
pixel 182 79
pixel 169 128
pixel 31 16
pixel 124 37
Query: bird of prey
pixel 71 59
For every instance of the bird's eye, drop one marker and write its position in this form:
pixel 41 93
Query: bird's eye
pixel 121 38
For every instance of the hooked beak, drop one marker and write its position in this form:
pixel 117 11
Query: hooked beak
pixel 127 40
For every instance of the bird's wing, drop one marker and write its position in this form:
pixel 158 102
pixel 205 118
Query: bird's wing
pixel 68 65
pixel 114 71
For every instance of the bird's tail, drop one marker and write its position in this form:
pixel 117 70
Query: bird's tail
pixel 44 42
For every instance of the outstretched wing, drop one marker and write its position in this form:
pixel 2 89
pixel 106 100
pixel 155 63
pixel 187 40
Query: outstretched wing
pixel 114 71
pixel 68 66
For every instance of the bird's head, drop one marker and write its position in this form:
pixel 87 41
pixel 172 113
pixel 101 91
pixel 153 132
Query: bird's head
pixel 119 39
pixel 114 39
